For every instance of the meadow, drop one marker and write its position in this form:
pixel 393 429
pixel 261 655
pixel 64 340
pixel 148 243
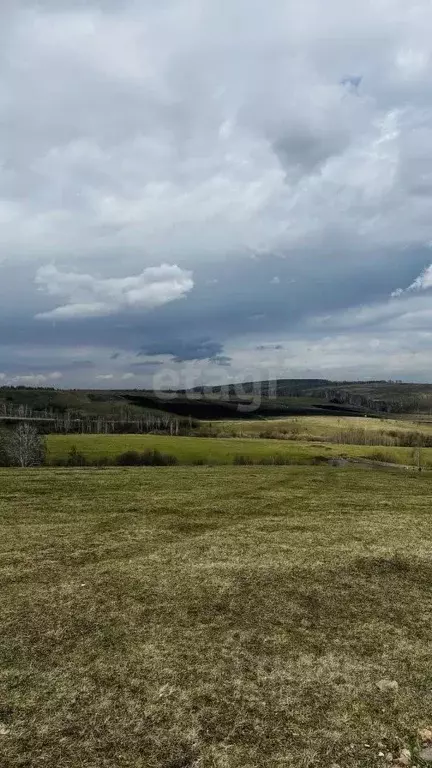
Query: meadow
pixel 220 450
pixel 214 617
pixel 322 427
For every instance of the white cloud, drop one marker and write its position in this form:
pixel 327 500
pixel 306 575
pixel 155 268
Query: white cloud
pixel 160 119
pixel 105 376
pixel 422 283
pixel 34 379
pixel 369 354
pixel 88 296
pixel 128 376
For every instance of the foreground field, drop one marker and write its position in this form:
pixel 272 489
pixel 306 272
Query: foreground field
pixel 191 450
pixel 213 617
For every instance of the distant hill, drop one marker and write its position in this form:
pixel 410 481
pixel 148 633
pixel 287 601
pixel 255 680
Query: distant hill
pixel 243 400
pixel 375 396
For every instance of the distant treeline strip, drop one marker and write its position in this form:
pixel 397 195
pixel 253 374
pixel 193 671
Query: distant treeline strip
pixel 176 416
pixel 68 424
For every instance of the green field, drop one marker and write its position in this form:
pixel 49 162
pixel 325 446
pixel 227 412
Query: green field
pixel 213 617
pixel 189 450
pixel 310 427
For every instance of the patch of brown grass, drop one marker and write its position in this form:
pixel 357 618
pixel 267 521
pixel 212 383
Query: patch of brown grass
pixel 212 617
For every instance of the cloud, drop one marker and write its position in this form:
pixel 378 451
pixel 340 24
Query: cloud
pixel 181 350
pixel 422 283
pixel 232 143
pixel 88 296
pixel 263 347
pixel 146 364
pixel 105 376
pixel 161 127
pixel 352 82
pixel 222 360
pixel 34 379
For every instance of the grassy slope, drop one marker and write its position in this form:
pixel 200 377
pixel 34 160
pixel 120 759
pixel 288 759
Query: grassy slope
pixel 318 426
pixel 212 617
pixel 219 450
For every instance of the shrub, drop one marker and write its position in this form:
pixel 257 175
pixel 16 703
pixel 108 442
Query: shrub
pixel 157 459
pixel 58 461
pixel 381 456
pixel 102 461
pixel 128 459
pixel 75 458
pixel 279 460
pixel 147 459
pixel 320 459
pixel 208 432
pixel 416 440
pixel 393 433
pixel 242 460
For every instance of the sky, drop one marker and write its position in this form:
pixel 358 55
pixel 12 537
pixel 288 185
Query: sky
pixel 204 191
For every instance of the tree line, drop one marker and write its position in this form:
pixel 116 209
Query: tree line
pixel 51 422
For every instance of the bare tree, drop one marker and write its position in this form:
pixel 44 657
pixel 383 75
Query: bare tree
pixel 25 446
pixel 4 455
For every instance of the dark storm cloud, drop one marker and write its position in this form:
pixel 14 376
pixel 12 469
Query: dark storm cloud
pixel 181 350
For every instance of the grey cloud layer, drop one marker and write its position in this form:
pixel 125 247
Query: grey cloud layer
pixel 218 137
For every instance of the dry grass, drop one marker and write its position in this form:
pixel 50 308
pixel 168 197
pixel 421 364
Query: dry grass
pixel 212 617
pixel 310 427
